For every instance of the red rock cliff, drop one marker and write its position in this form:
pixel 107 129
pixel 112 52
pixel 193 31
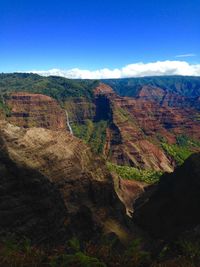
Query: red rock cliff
pixel 36 110
pixel 133 137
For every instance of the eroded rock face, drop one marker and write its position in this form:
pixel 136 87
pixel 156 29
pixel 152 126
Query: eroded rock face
pixel 35 110
pixel 129 191
pixel 137 124
pixel 174 206
pixel 29 203
pixel 80 180
pixel 80 109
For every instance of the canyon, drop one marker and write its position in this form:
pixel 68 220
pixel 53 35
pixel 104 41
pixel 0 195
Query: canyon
pixel 141 124
pixel 152 129
pixel 61 142
pixel 146 127
pixel 51 187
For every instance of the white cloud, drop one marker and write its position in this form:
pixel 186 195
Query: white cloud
pixel 186 55
pixel 132 70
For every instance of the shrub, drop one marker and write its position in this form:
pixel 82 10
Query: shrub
pixel 126 172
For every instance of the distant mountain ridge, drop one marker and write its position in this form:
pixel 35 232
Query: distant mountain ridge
pixel 56 191
pixel 184 85
pixel 188 86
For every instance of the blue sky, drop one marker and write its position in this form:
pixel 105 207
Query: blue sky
pixel 96 34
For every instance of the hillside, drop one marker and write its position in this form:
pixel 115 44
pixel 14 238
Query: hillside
pixel 174 206
pixel 59 208
pixel 183 85
pixel 153 124
pixel 50 181
pixel 56 87
pixel 64 196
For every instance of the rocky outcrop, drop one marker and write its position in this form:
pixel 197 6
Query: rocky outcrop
pixel 52 176
pixel 174 206
pixel 80 109
pixel 129 191
pixel 35 110
pixel 30 204
pixel 126 143
pixel 138 124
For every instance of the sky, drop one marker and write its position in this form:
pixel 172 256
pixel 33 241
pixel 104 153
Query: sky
pixel 100 38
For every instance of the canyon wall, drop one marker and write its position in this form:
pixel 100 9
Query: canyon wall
pixel 139 125
pixel 156 127
pixel 35 110
pixel 52 185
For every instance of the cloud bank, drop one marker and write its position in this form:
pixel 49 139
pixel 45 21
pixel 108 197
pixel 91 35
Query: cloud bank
pixel 132 70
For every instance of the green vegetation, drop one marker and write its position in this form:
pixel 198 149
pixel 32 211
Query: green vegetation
pixel 77 259
pixel 4 108
pixel 104 253
pixel 135 255
pixel 131 256
pixel 56 87
pixel 190 249
pixel 186 253
pixel 179 154
pixel 185 141
pixel 182 150
pixel 126 172
pixel 187 86
pixel 122 115
pixel 93 133
pixel 22 254
pixel 60 87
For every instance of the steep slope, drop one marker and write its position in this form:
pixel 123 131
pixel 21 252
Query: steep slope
pixel 174 207
pixel 72 183
pixel 141 127
pixel 125 142
pixel 30 204
pixel 35 110
pixel 186 86
pixel 153 124
pixel 56 87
